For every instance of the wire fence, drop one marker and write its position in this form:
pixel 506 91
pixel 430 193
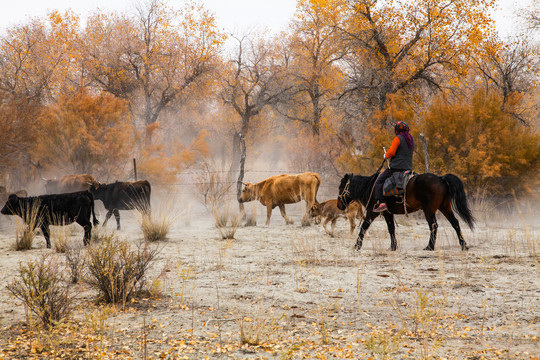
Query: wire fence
pixel 188 181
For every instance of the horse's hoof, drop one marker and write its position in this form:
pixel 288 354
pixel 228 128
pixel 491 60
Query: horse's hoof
pixel 357 247
pixel 429 248
pixel 464 248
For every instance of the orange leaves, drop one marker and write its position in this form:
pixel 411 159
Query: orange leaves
pixel 161 164
pixel 85 133
pixel 481 143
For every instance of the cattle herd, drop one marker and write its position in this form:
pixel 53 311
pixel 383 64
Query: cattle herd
pixel 71 199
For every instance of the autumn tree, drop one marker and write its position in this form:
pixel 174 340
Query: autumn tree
pixel 512 69
pixel 162 161
pixel 36 66
pixel 17 117
pixel 85 133
pixel 480 142
pixel 252 81
pixel 403 46
pixel 35 58
pixel 531 15
pixel 152 58
pixel 315 50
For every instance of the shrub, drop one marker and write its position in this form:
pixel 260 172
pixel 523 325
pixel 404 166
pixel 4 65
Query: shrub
pixel 43 289
pixel 117 271
pixel 214 186
pixel 75 260
pixel 155 225
pixel 26 227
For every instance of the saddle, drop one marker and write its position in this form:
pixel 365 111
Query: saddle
pixel 396 184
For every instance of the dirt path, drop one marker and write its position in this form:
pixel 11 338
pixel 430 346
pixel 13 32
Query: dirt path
pixel 292 292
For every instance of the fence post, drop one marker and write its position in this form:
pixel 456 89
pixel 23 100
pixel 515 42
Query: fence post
pixel 135 168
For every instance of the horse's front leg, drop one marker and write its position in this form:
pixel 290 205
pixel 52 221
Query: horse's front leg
pixel 365 225
pixel 391 229
pixel 432 222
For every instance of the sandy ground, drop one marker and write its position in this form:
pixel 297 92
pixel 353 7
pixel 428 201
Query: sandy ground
pixel 293 292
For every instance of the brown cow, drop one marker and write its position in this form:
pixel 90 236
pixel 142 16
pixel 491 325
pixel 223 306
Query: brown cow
pixel 284 189
pixel 330 212
pixel 69 183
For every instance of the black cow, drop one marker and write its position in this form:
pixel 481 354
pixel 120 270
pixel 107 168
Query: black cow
pixel 56 209
pixel 4 195
pixel 122 196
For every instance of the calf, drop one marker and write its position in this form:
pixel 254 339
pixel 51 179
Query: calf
pixel 122 196
pixel 57 209
pixel 330 212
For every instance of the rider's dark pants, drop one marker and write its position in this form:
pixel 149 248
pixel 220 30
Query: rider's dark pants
pixel 380 182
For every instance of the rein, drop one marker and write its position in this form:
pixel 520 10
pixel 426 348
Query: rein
pixel 373 186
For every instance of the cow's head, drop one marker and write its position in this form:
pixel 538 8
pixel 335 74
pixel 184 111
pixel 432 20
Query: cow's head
pixel 93 187
pixel 97 189
pixel 12 206
pixel 248 194
pixel 315 210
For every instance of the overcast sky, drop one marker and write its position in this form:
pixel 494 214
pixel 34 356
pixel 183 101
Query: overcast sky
pixel 233 15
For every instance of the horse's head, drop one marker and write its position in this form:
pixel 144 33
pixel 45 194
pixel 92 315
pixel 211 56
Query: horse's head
pixel 344 197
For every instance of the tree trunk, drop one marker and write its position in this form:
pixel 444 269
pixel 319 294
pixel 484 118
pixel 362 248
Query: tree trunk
pixel 426 154
pixel 241 174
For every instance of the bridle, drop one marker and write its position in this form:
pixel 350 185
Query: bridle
pixel 345 193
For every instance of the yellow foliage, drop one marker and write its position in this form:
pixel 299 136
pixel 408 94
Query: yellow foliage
pixel 482 144
pixel 160 164
pixel 85 133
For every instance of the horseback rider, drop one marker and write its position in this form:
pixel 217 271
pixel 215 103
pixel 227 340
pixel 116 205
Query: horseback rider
pixel 400 155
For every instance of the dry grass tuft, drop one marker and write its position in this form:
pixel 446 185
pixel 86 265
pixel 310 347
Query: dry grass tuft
pixel 156 224
pixel 257 328
pixel 26 227
pixel 60 234
pixel 226 221
pixel 306 251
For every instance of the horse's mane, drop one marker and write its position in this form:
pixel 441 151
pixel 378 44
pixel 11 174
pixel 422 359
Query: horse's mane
pixel 360 187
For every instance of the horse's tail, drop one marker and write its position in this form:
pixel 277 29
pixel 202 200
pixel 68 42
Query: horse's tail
pixel 459 199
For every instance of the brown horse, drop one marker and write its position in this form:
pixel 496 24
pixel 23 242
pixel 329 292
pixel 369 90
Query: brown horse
pixel 428 192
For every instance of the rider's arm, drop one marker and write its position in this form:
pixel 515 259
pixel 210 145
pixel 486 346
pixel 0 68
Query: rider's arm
pixel 393 148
